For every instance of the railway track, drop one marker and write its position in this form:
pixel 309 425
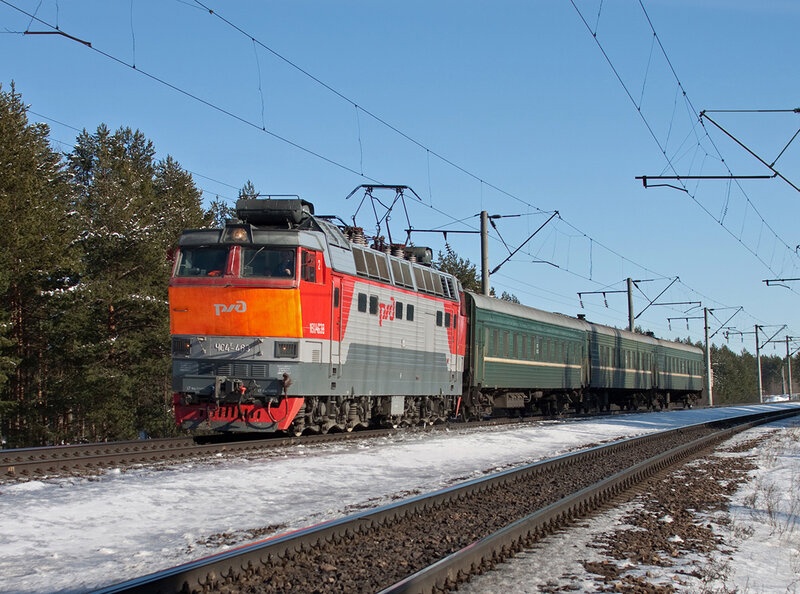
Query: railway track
pixel 432 543
pixel 59 460
pixel 25 463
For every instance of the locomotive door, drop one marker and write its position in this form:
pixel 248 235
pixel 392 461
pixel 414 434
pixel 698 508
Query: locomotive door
pixel 429 346
pixel 336 327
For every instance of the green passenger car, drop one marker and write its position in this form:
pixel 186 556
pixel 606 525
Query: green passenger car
pixel 620 360
pixel 520 357
pixel 514 349
pixel 679 369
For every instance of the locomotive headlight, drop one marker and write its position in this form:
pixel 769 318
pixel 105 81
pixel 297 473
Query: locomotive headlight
pixel 239 235
pixel 286 350
pixel 181 346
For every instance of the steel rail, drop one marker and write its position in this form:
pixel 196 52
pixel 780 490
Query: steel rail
pixel 229 566
pixel 32 461
pixel 57 460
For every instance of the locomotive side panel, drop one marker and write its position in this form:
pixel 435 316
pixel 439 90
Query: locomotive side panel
pixel 395 343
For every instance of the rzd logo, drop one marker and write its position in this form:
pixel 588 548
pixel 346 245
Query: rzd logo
pixel 221 308
pixel 386 311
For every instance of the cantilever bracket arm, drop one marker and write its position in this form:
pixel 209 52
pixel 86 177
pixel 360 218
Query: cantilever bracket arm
pixel 770 166
pixel 778 281
pixel 653 302
pixel 59 32
pixel 645 179
pixel 496 268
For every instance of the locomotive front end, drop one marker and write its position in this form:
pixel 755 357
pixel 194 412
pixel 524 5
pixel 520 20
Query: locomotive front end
pixel 236 320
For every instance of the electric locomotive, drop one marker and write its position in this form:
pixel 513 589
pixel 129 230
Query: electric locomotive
pixel 285 321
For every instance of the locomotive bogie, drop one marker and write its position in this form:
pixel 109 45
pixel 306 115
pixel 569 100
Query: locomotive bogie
pixel 332 414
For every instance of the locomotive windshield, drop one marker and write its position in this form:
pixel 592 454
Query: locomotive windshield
pixel 256 261
pixel 266 261
pixel 202 261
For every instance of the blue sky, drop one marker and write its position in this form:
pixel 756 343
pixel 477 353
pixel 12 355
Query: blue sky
pixel 517 108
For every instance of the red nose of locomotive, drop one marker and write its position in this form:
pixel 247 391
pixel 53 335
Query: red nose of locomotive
pixel 236 317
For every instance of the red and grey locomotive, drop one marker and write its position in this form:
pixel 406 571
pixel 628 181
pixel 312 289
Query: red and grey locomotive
pixel 282 320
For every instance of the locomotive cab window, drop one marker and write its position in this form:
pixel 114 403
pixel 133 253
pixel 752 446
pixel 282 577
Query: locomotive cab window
pixel 267 262
pixel 308 272
pixel 202 261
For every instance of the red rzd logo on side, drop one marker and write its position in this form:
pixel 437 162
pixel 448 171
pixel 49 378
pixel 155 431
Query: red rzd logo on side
pixel 386 311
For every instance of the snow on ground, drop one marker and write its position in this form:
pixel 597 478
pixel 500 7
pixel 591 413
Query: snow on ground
pixel 765 517
pixel 761 536
pixel 74 535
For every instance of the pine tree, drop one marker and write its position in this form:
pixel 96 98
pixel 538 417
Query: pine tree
pixel 131 210
pixel 36 269
pixel 505 296
pixel 248 191
pixel 735 379
pixel 220 212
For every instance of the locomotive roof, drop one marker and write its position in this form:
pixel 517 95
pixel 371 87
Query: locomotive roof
pixel 292 222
